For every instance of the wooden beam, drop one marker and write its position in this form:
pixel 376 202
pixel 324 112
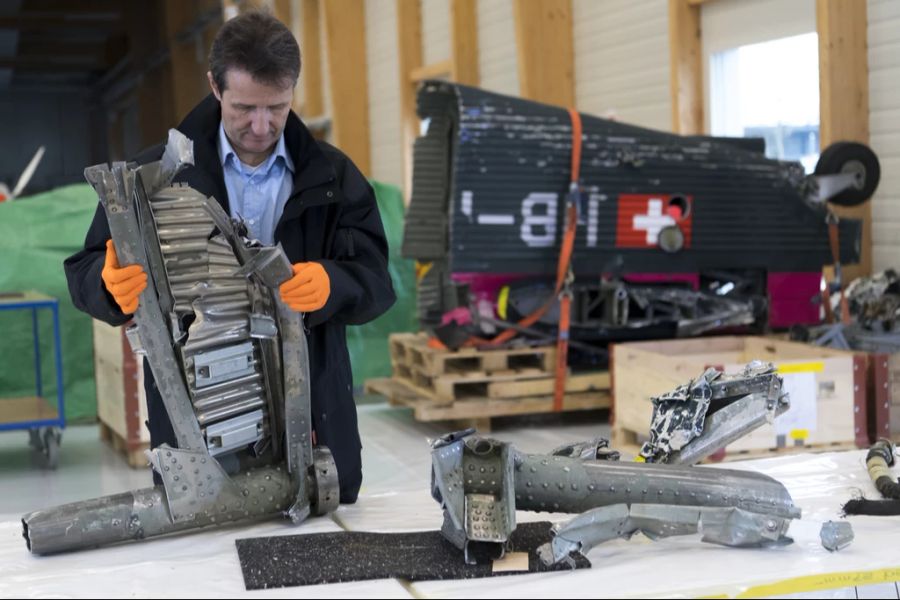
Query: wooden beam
pixel 438 70
pixel 844 96
pixel 409 50
pixel 686 67
pixel 464 41
pixel 146 28
pixel 311 53
pixel 188 54
pixel 545 50
pixel 283 11
pixel 345 36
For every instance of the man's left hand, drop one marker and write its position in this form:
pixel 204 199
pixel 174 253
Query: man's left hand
pixel 308 289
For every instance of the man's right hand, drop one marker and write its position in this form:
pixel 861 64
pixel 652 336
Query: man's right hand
pixel 124 283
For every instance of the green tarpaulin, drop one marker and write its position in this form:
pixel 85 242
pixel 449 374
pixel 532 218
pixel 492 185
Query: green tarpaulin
pixel 368 344
pixel 36 234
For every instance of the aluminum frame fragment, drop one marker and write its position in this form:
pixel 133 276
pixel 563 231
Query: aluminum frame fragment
pixel 708 413
pixel 728 526
pixel 737 507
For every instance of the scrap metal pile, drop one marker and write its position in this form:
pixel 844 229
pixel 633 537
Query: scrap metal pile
pixel 231 363
pixel 746 234
pixel 480 482
pixel 874 307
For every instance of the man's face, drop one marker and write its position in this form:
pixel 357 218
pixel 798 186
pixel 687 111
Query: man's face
pixel 253 114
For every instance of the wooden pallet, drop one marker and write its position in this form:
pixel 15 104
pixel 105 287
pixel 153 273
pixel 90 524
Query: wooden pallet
pixel 630 442
pixel 133 452
pixel 411 351
pixel 478 412
pixel 447 389
pixel 445 377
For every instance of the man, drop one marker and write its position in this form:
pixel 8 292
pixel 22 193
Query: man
pixel 259 161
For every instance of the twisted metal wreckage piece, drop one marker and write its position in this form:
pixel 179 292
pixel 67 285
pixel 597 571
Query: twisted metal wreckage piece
pixel 230 360
pixel 481 482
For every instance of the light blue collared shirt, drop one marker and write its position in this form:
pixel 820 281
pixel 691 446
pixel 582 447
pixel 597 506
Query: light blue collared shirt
pixel 257 194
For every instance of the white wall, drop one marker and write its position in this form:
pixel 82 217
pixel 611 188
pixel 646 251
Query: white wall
pixel 498 61
pixel 622 60
pixel 435 31
pixel 884 128
pixel 384 91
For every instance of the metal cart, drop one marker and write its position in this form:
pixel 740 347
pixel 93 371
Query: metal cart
pixel 36 414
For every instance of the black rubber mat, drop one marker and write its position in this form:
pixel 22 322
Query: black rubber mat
pixel 293 560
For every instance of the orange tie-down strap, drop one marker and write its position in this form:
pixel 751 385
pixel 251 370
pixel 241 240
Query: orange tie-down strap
pixel 563 277
pixel 834 242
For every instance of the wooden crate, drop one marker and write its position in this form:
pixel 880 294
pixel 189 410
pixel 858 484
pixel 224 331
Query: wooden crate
pixel 629 444
pixel 884 396
pixel 828 389
pixel 121 405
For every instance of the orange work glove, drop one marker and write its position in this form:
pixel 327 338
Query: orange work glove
pixel 308 289
pixel 124 283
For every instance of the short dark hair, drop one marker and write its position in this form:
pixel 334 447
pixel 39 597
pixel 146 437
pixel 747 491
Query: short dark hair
pixel 258 43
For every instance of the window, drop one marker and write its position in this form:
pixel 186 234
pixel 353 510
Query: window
pixel 769 90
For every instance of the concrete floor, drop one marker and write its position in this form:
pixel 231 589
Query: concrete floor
pixel 89 467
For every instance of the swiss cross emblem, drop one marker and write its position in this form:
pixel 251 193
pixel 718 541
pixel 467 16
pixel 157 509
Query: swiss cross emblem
pixel 643 216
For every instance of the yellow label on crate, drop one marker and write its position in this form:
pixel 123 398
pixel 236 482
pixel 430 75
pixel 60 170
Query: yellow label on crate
pixel 807 367
pixel 799 434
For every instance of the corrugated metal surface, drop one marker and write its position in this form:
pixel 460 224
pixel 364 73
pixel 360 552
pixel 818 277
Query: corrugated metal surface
pixel 384 91
pixel 622 60
pixel 426 229
pixel 884 127
pixel 435 30
pixel 510 167
pixel 497 55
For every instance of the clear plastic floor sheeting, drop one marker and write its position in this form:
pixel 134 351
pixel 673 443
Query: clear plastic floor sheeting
pixel 395 497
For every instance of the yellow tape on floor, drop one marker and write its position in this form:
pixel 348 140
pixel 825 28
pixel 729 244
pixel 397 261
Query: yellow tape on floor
pixel 824 581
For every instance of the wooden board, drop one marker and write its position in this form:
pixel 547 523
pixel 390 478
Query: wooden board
pixel 28 408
